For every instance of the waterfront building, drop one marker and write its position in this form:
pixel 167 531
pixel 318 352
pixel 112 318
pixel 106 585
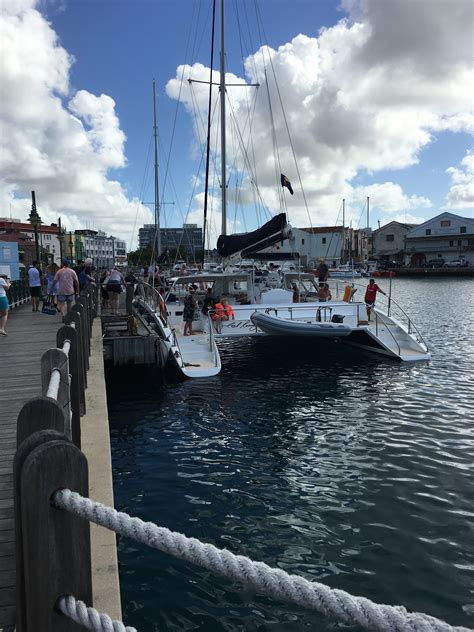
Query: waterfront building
pixel 388 242
pixel 48 235
pixel 105 250
pixel 445 237
pixel 333 244
pixel 187 240
pixel 9 259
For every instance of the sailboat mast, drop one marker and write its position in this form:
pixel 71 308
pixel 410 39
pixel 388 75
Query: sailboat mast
pixel 223 157
pixel 157 199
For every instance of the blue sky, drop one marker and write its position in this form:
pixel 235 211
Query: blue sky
pixel 376 93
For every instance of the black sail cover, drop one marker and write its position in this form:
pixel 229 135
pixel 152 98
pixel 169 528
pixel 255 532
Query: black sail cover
pixel 265 236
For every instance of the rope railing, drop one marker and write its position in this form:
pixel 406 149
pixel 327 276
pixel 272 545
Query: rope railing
pixel 88 617
pixel 273 582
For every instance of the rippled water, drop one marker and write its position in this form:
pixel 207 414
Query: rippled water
pixel 328 462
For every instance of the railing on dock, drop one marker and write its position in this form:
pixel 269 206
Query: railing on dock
pixel 48 448
pixel 18 293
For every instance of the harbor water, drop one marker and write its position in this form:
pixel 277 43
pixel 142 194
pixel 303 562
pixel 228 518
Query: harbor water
pixel 339 465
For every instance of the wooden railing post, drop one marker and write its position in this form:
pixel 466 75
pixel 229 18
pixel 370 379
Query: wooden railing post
pixel 39 413
pixel 70 333
pixel 56 544
pixel 24 449
pixel 75 317
pixel 84 338
pixel 82 300
pixel 57 359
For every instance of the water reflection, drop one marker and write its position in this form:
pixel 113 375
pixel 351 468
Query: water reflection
pixel 329 462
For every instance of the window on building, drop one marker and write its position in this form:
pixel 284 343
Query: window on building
pixel 451 243
pixel 445 223
pixel 7 253
pixel 323 240
pixel 462 229
pixel 302 242
pixel 389 237
pixel 428 231
pixel 459 242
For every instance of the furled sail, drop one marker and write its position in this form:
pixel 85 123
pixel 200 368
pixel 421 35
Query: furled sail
pixel 270 233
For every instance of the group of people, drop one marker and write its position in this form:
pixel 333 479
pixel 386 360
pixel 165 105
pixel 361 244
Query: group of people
pixel 219 310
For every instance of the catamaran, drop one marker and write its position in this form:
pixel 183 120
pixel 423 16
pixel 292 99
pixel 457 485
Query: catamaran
pixel 266 302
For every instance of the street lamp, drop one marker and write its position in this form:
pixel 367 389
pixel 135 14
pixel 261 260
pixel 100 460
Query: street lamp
pixel 35 220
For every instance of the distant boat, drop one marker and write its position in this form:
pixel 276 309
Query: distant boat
pixel 345 271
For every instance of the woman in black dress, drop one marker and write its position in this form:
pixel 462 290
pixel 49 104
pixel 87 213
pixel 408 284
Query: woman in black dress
pixel 188 312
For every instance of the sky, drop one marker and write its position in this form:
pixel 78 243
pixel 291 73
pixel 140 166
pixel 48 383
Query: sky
pixel 356 99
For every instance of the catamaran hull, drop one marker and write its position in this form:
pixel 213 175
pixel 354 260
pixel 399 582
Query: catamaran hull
pixel 275 326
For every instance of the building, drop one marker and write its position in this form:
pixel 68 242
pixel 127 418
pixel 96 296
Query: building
pixel 185 241
pixel 446 236
pixel 120 252
pixel 9 259
pixel 105 250
pixel 332 244
pixel 48 237
pixel 388 242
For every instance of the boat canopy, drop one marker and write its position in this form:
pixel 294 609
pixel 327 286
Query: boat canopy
pixel 248 243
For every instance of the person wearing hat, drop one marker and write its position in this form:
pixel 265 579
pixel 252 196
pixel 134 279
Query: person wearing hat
pixel 66 285
pixel 188 312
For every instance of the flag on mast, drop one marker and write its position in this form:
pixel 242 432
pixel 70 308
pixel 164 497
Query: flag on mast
pixel 286 183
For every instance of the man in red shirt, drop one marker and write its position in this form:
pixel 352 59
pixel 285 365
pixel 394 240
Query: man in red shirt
pixel 370 296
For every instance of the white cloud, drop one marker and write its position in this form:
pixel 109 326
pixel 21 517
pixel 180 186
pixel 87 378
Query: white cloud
pixel 461 193
pixel 365 96
pixel 58 144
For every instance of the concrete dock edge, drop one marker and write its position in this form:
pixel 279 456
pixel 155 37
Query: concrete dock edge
pixel 95 443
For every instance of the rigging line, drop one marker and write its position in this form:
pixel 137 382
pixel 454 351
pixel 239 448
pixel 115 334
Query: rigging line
pixel 332 233
pixel 142 191
pixel 208 138
pixel 252 180
pixel 196 112
pixel 276 153
pixel 361 213
pixel 178 102
pixel 286 120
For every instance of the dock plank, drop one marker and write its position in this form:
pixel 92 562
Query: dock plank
pixel 29 336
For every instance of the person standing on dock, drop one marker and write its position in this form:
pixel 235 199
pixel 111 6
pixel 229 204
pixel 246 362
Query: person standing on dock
pixel 34 282
pixel 370 296
pixel 4 286
pixel 66 284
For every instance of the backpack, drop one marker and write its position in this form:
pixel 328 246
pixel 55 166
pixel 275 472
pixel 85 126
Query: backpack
pixel 83 280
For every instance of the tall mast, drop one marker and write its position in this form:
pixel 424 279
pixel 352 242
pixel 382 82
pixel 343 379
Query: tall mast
pixel 344 230
pixel 222 91
pixel 157 199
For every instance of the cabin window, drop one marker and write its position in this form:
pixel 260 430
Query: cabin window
pixel 389 237
pixel 462 229
pixel 323 240
pixel 445 223
pixel 428 231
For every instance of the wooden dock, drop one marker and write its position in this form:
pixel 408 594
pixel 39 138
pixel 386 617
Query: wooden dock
pixel 30 334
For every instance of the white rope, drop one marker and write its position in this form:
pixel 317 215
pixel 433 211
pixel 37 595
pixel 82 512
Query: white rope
pixel 53 387
pixel 273 582
pixel 89 617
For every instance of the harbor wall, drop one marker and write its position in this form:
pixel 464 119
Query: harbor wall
pixel 95 439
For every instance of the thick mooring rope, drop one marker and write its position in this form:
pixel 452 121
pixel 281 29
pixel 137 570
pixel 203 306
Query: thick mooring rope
pixel 89 617
pixel 269 581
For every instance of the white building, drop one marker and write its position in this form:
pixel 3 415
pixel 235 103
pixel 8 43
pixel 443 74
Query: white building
pixel 446 236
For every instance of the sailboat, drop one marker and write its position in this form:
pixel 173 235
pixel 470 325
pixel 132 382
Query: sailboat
pixel 262 301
